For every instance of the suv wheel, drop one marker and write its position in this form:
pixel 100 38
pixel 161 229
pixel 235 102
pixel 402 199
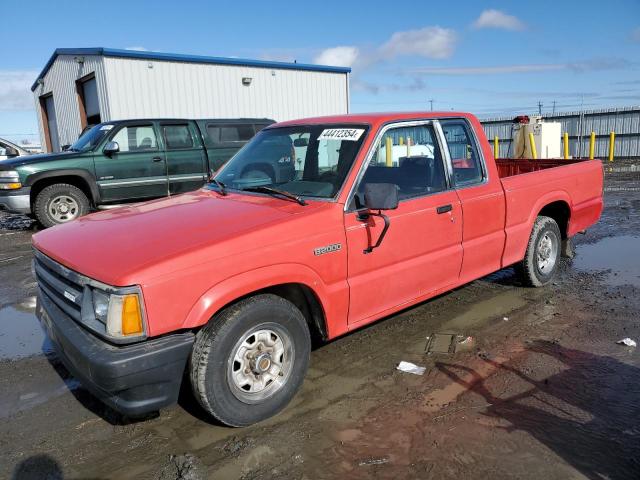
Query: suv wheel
pixel 543 253
pixel 250 360
pixel 60 203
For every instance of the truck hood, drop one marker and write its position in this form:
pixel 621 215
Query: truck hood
pixel 11 163
pixel 130 245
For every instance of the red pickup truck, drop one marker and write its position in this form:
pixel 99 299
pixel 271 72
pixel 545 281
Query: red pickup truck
pixel 229 283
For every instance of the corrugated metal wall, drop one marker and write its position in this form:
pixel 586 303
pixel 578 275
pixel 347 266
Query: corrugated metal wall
pixel 152 88
pixel 625 122
pixel 60 81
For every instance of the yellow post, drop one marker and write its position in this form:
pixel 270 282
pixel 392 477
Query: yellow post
pixel 401 141
pixel 388 152
pixel 592 145
pixel 532 143
pixel 496 146
pixel 565 139
pixel 612 144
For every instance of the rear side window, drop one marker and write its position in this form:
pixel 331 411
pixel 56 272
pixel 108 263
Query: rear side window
pixel 230 133
pixel 177 137
pixel 467 165
pixel 135 138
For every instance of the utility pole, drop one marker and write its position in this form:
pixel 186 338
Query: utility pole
pixel 431 102
pixel 539 108
pixel 553 112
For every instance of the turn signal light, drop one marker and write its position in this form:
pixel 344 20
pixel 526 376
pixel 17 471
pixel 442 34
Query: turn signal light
pixel 10 186
pixel 131 315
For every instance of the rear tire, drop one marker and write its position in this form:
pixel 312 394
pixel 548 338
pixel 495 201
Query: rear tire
pixel 250 360
pixel 60 203
pixel 541 259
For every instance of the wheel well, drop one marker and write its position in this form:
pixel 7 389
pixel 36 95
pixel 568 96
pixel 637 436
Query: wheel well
pixel 305 299
pixel 560 212
pixel 74 180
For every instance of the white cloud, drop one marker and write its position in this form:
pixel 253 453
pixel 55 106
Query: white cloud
pixel 497 19
pixel 137 48
pixel 589 65
pixel 15 89
pixel 343 56
pixel 430 42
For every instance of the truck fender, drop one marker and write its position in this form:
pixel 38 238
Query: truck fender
pixel 87 176
pixel 238 286
pixel 555 196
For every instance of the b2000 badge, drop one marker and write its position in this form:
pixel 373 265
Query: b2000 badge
pixel 334 247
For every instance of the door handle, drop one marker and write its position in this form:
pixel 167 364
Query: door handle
pixel 157 159
pixel 444 209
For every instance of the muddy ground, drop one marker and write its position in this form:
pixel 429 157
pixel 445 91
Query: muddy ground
pixel 544 392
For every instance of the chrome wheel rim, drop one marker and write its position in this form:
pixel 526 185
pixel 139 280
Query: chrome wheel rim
pixel 260 363
pixel 63 208
pixel 547 252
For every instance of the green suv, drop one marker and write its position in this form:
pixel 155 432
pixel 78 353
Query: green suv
pixel 120 162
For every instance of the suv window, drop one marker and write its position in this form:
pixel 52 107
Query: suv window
pixel 230 133
pixel 136 138
pixel 177 137
pixel 408 157
pixel 467 165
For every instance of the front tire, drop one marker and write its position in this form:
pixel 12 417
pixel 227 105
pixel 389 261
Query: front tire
pixel 542 257
pixel 250 360
pixel 60 203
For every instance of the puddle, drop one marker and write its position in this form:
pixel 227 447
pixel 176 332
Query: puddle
pixel 21 334
pixel 619 255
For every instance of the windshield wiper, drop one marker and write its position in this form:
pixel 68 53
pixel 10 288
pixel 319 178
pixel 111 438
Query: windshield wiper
pixel 275 191
pixel 221 186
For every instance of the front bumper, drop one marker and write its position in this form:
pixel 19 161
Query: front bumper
pixel 16 201
pixel 132 379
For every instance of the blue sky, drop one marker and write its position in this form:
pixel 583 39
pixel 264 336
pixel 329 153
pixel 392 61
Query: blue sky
pixel 490 58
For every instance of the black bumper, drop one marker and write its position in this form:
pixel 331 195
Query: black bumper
pixel 133 379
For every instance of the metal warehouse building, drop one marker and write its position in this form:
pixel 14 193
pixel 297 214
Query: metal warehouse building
pixel 85 86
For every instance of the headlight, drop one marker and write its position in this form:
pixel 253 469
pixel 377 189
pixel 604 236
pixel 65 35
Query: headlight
pixel 121 314
pixel 9 180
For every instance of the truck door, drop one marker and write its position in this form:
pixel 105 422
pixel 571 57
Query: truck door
pixel 422 251
pixel 137 170
pixel 185 156
pixel 482 200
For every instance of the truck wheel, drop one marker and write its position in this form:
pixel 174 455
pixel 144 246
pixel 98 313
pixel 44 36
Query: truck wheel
pixel 60 203
pixel 250 360
pixel 543 253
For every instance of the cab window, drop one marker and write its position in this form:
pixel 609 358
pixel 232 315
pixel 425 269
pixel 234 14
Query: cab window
pixel 177 137
pixel 136 138
pixel 408 157
pixel 467 165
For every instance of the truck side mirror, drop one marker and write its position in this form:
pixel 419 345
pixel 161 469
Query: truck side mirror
pixel 11 152
pixel 111 148
pixel 379 196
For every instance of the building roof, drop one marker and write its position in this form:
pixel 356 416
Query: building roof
pixel 177 57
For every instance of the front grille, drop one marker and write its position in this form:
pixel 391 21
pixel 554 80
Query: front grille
pixel 60 289
pixel 69 290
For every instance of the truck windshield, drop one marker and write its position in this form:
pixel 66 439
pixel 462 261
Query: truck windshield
pixel 91 138
pixel 305 160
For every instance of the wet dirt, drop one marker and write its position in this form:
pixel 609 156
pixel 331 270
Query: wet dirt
pixel 545 392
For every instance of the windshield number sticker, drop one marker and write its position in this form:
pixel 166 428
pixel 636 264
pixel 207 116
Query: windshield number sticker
pixel 106 127
pixel 349 134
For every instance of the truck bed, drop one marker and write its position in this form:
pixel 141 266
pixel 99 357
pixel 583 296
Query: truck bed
pixel 508 167
pixel 572 186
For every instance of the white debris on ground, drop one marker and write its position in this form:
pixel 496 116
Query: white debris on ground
pixel 627 341
pixel 409 367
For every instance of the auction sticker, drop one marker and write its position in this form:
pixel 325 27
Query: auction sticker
pixel 349 134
